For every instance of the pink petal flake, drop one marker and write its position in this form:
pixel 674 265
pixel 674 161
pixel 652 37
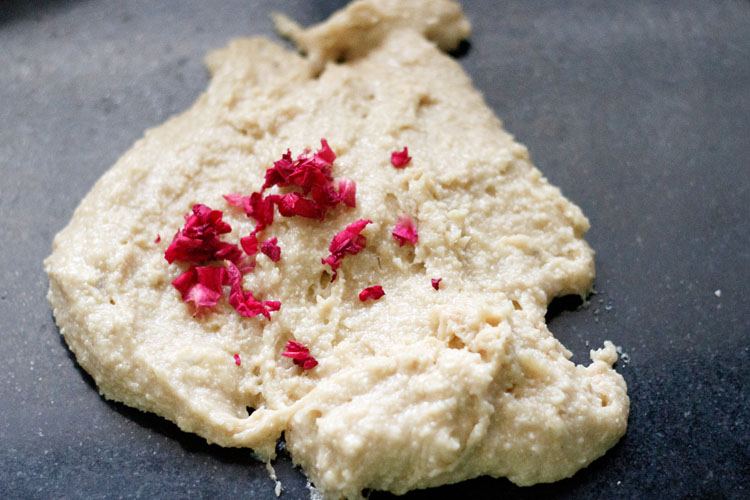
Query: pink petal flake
pixel 158 238
pixel 347 192
pixel 271 249
pixel 201 285
pixel 234 199
pixel 346 242
pixel 371 292
pixel 300 355
pixel 237 360
pixel 244 302
pixel 436 283
pixel 405 231
pixel 400 159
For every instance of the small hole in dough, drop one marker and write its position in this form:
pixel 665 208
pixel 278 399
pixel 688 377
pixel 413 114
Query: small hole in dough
pixel 456 343
pixel 492 320
pixel 517 306
pixel 112 301
pixel 325 279
pixel 250 410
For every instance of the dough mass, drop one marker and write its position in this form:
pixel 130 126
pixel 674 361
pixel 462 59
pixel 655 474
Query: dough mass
pixel 416 389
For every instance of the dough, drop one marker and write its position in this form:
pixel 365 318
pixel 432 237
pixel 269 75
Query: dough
pixel 418 388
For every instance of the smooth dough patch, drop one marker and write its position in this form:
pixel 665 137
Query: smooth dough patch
pixel 416 389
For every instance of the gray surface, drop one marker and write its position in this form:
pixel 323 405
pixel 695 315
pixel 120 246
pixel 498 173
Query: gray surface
pixel 639 111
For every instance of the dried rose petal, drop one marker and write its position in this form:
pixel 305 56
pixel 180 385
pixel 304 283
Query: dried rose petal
pixel 325 197
pixel 237 359
pixel 292 204
pixel 271 249
pixel 300 355
pixel 250 244
pixel 201 285
pixel 405 231
pixel 280 172
pixel 158 238
pixel 244 302
pixel 436 283
pixel 347 192
pixel 400 159
pixel 230 252
pixel 371 292
pixel 346 242
pixel 199 239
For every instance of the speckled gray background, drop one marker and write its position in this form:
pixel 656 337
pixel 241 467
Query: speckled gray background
pixel 639 111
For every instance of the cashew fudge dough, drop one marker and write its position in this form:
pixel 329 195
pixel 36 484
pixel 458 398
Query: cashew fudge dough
pixel 418 388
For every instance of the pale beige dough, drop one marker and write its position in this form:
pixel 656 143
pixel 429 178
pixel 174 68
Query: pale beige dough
pixel 417 389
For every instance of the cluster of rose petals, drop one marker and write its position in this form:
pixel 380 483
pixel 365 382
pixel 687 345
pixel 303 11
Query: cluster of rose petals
pixel 316 193
pixel 300 355
pixel 347 242
pixel 400 159
pixel 312 176
pixel 199 240
pixel 371 292
pixel 405 231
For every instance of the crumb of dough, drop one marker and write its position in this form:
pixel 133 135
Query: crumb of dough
pixel 414 390
pixel 272 474
pixel 717 293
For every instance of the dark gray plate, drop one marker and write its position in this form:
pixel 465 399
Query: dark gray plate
pixel 639 111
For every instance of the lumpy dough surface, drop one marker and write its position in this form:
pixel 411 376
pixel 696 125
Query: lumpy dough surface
pixel 416 389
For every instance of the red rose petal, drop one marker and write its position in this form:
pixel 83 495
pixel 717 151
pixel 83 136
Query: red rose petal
pixel 400 159
pixel 271 249
pixel 346 242
pixel 230 252
pixel 292 204
pixel 250 244
pixel 237 360
pixel 244 302
pixel 436 283
pixel 158 238
pixel 325 153
pixel 405 231
pixel 300 355
pixel 201 285
pixel 371 292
